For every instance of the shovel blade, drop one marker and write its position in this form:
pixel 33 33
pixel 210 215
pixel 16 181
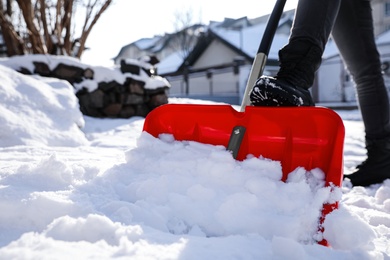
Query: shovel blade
pixel 310 137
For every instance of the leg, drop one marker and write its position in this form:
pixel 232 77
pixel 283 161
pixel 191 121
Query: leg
pixel 353 34
pixel 300 58
pixel 313 21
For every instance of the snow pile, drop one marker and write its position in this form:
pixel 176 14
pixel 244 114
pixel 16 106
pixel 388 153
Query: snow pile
pixel 183 180
pixel 112 191
pixel 35 110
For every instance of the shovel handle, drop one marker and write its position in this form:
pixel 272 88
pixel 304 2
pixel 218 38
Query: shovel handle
pixel 263 51
pixel 272 25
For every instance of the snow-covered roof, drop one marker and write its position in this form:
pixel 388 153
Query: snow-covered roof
pixel 146 43
pixel 250 38
pixel 170 63
pixel 246 39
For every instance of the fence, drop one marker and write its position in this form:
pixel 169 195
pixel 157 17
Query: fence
pixel 221 85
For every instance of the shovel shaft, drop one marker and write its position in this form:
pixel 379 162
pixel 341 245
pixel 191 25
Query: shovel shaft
pixel 272 25
pixel 256 70
pixel 263 51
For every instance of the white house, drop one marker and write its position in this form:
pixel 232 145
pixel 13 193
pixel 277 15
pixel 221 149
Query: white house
pixel 218 66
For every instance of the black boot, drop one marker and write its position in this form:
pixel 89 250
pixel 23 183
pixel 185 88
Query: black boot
pixel 376 168
pixel 299 61
pixel 276 92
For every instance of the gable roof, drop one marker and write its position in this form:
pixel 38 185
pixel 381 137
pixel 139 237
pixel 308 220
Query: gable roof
pixel 245 41
pixel 242 40
pixel 142 44
pixel 231 23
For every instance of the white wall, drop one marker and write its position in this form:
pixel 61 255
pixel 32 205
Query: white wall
pixel 330 81
pixel 215 55
pixel 224 85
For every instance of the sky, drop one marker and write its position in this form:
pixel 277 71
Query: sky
pixel 127 21
pixel 77 187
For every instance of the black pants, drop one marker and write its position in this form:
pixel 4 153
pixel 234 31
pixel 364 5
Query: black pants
pixel 351 25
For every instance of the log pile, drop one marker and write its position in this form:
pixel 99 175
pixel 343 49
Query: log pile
pixel 127 99
pixel 135 95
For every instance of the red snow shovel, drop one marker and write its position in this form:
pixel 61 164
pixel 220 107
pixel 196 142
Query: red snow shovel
pixel 310 137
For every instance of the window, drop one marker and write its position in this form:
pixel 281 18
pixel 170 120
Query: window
pixel 387 9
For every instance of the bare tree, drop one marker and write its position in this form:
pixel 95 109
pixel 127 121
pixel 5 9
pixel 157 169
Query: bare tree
pixel 47 26
pixel 186 33
pixel 12 40
pixel 184 38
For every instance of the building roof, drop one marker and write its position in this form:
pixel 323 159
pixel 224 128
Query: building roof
pixel 241 35
pixel 244 40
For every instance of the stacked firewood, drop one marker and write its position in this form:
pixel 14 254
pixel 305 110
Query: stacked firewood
pixel 138 93
pixel 112 99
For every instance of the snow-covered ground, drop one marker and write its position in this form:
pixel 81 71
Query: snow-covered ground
pixel 85 188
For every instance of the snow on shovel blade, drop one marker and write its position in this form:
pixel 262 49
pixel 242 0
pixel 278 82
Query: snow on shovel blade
pixel 309 137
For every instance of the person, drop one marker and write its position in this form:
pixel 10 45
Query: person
pixel 350 24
